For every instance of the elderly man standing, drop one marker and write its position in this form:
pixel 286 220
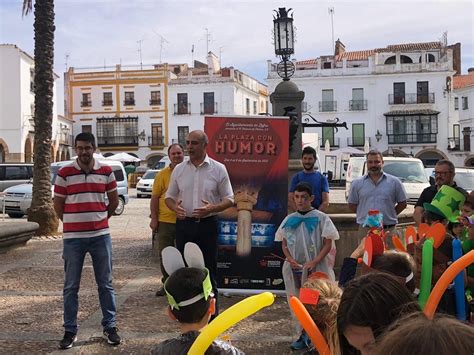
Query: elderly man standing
pixel 377 191
pixel 444 175
pixel 199 189
pixel 163 220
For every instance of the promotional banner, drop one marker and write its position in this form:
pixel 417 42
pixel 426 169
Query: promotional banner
pixel 254 150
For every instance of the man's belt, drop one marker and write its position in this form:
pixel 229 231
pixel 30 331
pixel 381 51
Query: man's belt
pixel 199 220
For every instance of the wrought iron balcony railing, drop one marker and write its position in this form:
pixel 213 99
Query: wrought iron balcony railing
pixel 428 98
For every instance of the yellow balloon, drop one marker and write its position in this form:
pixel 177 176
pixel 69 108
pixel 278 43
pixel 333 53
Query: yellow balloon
pixel 228 318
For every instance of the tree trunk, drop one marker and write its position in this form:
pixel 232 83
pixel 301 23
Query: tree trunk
pixel 41 210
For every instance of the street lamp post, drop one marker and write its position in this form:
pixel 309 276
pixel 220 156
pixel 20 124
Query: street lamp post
pixel 287 98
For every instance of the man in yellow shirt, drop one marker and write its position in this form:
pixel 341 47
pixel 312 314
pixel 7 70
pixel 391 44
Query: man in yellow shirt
pixel 163 220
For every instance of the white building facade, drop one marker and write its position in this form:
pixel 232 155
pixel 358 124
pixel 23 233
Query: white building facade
pixel 17 100
pixel 208 90
pixel 398 99
pixel 462 138
pixel 143 111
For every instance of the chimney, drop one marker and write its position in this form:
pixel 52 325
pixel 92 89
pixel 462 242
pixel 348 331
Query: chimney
pixel 456 57
pixel 340 48
pixel 213 66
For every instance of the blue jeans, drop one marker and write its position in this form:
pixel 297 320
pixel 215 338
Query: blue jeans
pixel 74 252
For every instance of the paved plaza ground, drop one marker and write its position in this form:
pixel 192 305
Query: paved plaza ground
pixel 31 280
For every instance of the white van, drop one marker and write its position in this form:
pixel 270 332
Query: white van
pixel 409 170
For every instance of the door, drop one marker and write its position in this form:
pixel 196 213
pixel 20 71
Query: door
pixel 422 92
pixel 328 135
pixel 156 134
pixel 328 101
pixel 357 100
pixel 398 93
pixel 208 103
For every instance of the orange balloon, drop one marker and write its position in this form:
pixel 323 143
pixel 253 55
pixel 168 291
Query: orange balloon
pixel 410 235
pixel 438 232
pixel 445 280
pixel 308 324
pixel 398 244
pixel 422 230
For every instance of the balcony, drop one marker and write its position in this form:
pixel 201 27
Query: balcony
pixel 333 142
pixel 208 109
pixel 182 109
pixel 155 141
pixel 459 144
pixel 327 106
pixel 357 105
pixel 86 103
pixel 65 139
pixel 129 102
pixel 412 138
pixel 111 141
pixel 107 103
pixel 411 99
pixel 357 141
pixel 155 102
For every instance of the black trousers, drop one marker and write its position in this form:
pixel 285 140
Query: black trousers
pixel 203 232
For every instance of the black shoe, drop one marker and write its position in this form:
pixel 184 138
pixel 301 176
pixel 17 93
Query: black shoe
pixel 160 292
pixel 68 340
pixel 112 337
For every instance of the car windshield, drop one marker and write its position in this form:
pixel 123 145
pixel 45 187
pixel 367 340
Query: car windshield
pixel 406 171
pixel 465 179
pixel 149 175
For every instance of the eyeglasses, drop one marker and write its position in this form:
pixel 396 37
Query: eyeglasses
pixel 87 149
pixel 442 173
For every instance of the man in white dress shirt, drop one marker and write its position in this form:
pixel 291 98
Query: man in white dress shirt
pixel 199 189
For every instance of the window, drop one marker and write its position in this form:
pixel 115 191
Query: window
pixel 255 107
pixel 398 93
pixel 456 103
pixel 357 103
pixel 412 129
pixel 208 105
pixel 327 65
pixel 422 92
pixel 156 134
pixel 358 134
pixel 86 99
pixel 86 129
pixel 155 98
pixel 183 132
pixel 183 107
pixel 107 99
pixel 247 106
pixel 129 98
pixel 328 104
pixel 465 104
pixel 117 131
pixel 32 80
pixel 16 173
pixel 328 135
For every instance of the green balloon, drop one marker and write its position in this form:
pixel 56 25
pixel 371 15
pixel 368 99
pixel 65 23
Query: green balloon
pixel 426 272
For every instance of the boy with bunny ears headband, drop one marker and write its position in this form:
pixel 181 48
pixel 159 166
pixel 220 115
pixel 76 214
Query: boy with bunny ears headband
pixel 191 301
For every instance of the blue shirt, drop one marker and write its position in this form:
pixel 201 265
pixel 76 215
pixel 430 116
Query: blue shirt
pixel 318 182
pixel 382 196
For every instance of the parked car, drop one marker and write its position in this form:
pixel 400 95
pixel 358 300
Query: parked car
pixel 12 174
pixel 18 198
pixel 465 178
pixel 145 184
pixel 410 171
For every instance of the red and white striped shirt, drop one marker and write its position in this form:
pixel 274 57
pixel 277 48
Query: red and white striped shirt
pixel 85 211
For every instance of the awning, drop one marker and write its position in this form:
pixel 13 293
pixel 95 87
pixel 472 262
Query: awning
pixel 411 112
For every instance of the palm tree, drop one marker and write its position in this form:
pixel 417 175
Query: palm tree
pixel 41 210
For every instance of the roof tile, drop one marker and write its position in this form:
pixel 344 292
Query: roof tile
pixel 462 81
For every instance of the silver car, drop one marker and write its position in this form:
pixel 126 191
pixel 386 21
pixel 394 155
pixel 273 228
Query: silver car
pixel 18 198
pixel 145 184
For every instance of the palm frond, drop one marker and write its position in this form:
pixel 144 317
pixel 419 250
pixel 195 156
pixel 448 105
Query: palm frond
pixel 27 7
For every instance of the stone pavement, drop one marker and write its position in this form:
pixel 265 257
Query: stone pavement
pixel 31 279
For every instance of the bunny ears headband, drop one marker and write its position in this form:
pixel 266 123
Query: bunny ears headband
pixel 173 261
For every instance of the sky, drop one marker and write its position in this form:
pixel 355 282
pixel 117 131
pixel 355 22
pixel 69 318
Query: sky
pixel 94 33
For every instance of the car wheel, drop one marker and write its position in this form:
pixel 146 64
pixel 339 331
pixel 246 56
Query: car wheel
pixel 120 207
pixel 15 215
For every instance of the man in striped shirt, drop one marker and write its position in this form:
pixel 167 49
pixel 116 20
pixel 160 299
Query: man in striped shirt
pixel 79 201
